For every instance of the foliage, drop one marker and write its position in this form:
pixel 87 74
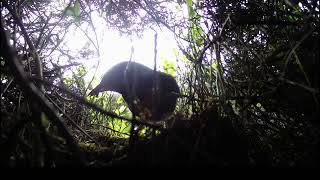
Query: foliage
pixel 261 71
pixel 247 71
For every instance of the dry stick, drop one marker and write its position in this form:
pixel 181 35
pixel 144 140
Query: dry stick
pixel 96 107
pixel 219 80
pixel 155 79
pixel 58 68
pixel 37 95
pixel 50 33
pixel 132 96
pixel 29 42
pixel 292 51
pixel 42 32
pixel 72 122
pixel 310 89
pixel 221 85
pixel 106 127
pixel 157 19
pixel 215 42
pixel 156 83
pixel 97 49
pixel 6 87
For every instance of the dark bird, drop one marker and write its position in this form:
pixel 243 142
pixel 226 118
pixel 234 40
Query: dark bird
pixel 135 82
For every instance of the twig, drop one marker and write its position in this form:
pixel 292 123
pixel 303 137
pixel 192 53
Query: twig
pixel 7 86
pixel 29 42
pixel 155 78
pixel 72 122
pixel 292 51
pixel 312 90
pixel 94 106
pixel 37 95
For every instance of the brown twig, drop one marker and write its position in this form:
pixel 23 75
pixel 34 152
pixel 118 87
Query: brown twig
pixel 29 42
pixel 30 89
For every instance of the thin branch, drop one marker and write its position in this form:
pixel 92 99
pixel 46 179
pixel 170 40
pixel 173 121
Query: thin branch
pixel 96 107
pixel 29 42
pixel 37 95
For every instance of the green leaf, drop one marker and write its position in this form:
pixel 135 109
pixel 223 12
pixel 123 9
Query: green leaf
pixel 73 11
pixel 199 42
pixel 68 11
pixel 191 12
pixel 260 107
pixel 169 67
pixel 119 100
pixel 45 121
pixel 214 66
pixel 76 8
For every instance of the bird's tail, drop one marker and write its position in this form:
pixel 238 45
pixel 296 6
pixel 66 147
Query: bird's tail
pixel 95 91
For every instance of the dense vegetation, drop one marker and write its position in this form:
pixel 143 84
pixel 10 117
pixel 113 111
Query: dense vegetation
pixel 248 71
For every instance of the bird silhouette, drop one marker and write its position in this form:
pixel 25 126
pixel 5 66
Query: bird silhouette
pixel 136 83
